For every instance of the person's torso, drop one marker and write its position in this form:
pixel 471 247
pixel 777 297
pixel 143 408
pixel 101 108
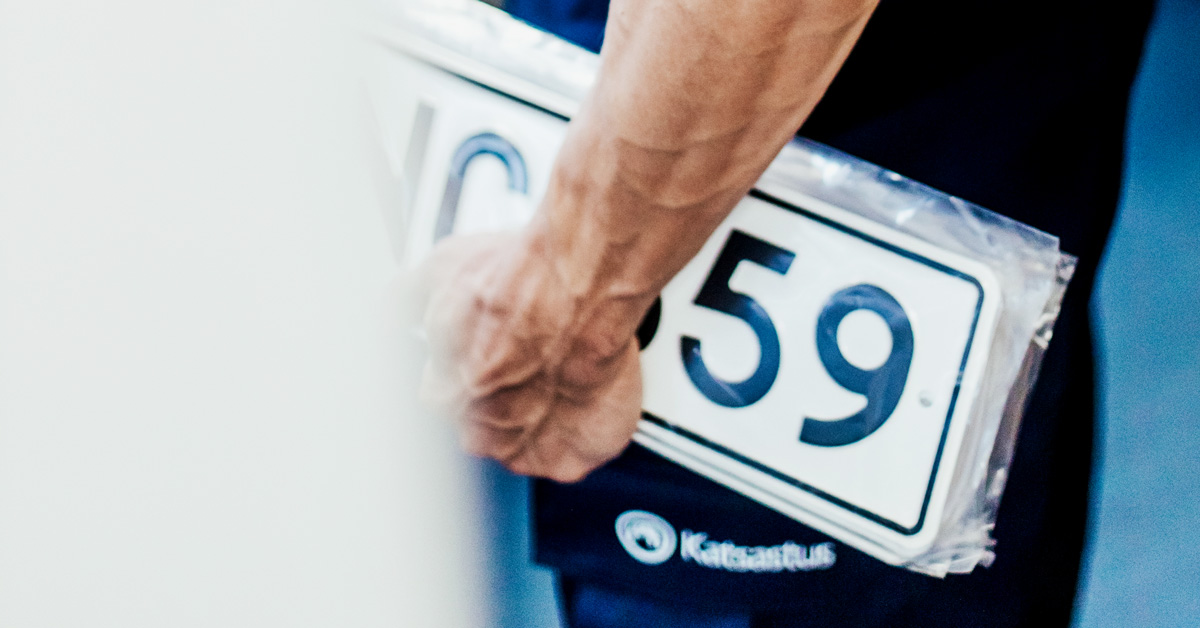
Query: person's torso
pixel 1018 107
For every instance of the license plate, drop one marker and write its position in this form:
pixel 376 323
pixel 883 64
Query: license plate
pixel 812 359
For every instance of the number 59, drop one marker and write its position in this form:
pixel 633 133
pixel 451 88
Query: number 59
pixel 882 386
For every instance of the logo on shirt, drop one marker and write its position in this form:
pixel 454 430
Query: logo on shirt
pixel 727 556
pixel 652 540
pixel 647 537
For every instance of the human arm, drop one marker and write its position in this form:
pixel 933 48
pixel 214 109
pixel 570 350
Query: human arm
pixel 533 334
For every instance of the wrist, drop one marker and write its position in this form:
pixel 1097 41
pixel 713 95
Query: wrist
pixel 604 305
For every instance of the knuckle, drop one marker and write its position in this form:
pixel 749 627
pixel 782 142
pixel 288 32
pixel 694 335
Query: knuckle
pixel 572 471
pixel 520 466
pixel 489 442
pixel 477 447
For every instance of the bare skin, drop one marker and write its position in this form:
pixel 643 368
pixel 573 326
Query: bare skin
pixel 533 333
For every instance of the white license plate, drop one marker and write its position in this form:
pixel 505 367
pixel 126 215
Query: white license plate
pixel 814 360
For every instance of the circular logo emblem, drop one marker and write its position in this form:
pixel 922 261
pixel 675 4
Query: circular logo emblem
pixel 647 537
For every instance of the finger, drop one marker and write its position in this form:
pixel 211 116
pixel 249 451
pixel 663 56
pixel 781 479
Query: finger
pixel 601 427
pixel 558 465
pixel 503 423
pixel 447 288
pixel 578 437
pixel 447 261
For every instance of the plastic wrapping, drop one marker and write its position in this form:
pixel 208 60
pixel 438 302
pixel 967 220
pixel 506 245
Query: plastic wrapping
pixel 851 348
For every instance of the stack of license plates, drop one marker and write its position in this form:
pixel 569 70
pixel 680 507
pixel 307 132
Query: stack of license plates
pixel 817 355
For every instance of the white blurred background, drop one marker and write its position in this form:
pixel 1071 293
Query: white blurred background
pixel 205 413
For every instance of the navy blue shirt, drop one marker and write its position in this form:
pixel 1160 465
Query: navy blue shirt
pixel 1017 106
pixel 581 22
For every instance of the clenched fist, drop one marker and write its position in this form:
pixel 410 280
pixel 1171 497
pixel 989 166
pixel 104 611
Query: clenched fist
pixel 537 377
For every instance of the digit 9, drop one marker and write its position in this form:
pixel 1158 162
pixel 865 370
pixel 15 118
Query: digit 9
pixel 882 386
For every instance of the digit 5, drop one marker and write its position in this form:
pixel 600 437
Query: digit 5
pixel 716 294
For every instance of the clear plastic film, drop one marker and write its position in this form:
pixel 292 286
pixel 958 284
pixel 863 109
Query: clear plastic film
pixel 851 348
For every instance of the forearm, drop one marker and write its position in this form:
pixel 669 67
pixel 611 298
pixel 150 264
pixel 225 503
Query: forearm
pixel 694 99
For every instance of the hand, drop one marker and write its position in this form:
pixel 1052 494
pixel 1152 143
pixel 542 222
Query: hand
pixel 523 366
